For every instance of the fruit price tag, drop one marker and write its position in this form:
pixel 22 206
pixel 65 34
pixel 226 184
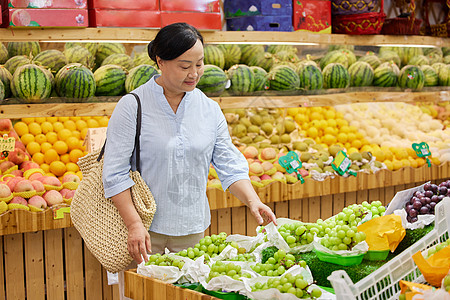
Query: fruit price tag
pixel 292 164
pixel 58 213
pixel 7 143
pixel 341 164
pixel 422 150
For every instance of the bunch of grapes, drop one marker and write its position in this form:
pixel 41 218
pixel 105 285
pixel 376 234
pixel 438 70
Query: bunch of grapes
pixel 437 248
pixel 293 284
pixel 164 260
pixel 277 265
pixel 447 283
pixel 220 268
pixel 209 246
pixel 376 207
pixel 244 257
pixel 298 233
pixel 424 202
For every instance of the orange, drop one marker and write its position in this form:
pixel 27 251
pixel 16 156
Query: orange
pixel 81 124
pixel 72 142
pixel 28 120
pixel 60 147
pixel 359 135
pixel 72 167
pixel 34 128
pixel 76 134
pixel 413 162
pixel 389 165
pixel 405 162
pixel 353 128
pixel 379 155
pixel 292 111
pixel 341 122
pixel 21 128
pixel 85 118
pixel 38 158
pixel 63 119
pixel 329 139
pixel 312 132
pixel 27 138
pixel 420 161
pixel 92 123
pixel 301 118
pixel 52 137
pixel 103 121
pixel 64 134
pixel 84 132
pixel 40 138
pixel 357 144
pixel 46 127
pixel 75 154
pixel 347 145
pixel 342 137
pixel 50 156
pixel 435 160
pixel 75 118
pixel 39 120
pixel 345 129
pixel 57 126
pixel 69 124
pixel 352 150
pixel 65 158
pixel 45 146
pixel 351 137
pixel 330 114
pixel 316 116
pixel 58 168
pixel 80 175
pixel 33 147
pixel 411 152
pixel 52 119
pixel 45 167
pixel 332 123
pixel 397 165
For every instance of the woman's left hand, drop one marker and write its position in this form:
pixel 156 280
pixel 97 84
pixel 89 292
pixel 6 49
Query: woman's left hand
pixel 262 213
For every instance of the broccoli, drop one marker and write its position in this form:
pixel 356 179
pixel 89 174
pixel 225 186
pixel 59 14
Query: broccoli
pixel 267 253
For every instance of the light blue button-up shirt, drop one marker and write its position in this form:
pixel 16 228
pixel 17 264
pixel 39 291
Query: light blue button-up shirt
pixel 176 152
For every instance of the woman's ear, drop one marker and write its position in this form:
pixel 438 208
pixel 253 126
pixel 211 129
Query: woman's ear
pixel 159 61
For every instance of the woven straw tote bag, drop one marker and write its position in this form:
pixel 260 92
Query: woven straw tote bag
pixel 97 219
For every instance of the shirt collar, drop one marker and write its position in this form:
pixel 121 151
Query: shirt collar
pixel 160 89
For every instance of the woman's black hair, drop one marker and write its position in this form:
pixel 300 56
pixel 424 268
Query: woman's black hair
pixel 173 40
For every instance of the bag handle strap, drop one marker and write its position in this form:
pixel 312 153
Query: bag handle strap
pixel 137 143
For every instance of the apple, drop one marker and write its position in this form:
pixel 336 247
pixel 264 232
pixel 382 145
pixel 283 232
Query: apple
pixel 50 180
pixel 23 186
pixel 5 165
pixel 19 145
pixel 71 178
pixel 19 200
pixel 17 173
pixel 67 194
pixel 37 185
pixel 13 134
pixel 35 176
pixel 28 165
pixel 53 197
pixel 37 201
pixel 5 192
pixel 5 125
pixel 13 181
pixel 17 156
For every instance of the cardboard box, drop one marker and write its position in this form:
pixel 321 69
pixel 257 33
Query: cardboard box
pixel 42 17
pixel 260 23
pixel 200 21
pixel 239 8
pixel 95 138
pixel 312 15
pixel 46 4
pixel 124 4
pixel 192 5
pixel 124 18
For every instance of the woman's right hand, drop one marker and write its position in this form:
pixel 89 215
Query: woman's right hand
pixel 139 243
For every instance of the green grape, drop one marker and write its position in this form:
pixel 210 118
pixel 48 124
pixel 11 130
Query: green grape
pixel 316 293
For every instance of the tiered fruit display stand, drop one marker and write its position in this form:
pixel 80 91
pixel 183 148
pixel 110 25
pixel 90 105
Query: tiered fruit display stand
pixel 45 257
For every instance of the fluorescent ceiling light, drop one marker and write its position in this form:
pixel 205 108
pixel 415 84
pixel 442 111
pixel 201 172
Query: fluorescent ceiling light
pixel 266 43
pixel 406 45
pixel 97 41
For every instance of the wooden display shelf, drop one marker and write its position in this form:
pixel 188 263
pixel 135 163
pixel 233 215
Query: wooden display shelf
pixel 16 111
pixel 139 287
pixel 140 35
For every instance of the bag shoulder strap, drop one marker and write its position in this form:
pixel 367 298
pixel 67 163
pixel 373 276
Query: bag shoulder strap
pixel 137 143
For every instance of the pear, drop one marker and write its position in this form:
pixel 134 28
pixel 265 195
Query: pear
pixel 245 140
pixel 300 146
pixel 267 128
pixel 253 129
pixel 320 170
pixel 366 155
pixel 355 156
pixel 334 149
pixel 328 169
pixel 240 112
pixel 280 128
pixel 256 120
pixel 378 164
pixel 354 167
pixel 308 141
pixel 245 121
pixel 275 139
pixel 268 119
pixel 285 138
pixel 317 147
pixel 264 145
pixel 258 139
pixel 305 156
pixel 239 130
pixel 289 125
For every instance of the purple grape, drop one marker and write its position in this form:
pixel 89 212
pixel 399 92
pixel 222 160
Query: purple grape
pixel 412 213
pixel 419 194
pixel 428 200
pixel 408 207
pixel 417 205
pixel 427 186
pixel 413 220
pixel 444 184
pixel 440 197
pixel 432 204
pixel 442 190
pixel 408 218
pixel 413 199
pixel 423 200
pixel 428 194
pixel 434 198
pixel 428 206
pixel 434 188
pixel 424 210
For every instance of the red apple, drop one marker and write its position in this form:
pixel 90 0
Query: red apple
pixel 12 182
pixel 5 192
pixel 35 176
pixel 19 200
pixel 17 156
pixel 19 145
pixel 38 201
pixel 37 185
pixel 23 186
pixel 53 197
pixel 50 180
pixel 5 125
pixel 17 173
pixel 69 194
pixel 71 178
pixel 28 165
pixel 5 165
pixel 13 134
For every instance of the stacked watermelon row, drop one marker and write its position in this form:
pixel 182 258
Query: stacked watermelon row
pixel 34 75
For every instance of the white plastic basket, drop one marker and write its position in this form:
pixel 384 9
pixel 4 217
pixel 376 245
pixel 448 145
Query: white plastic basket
pixel 384 282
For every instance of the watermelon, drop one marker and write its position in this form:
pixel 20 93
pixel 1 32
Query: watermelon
pixel 106 49
pixel 78 54
pixel 307 61
pixel 434 57
pixel 336 56
pixel 445 51
pixel 214 56
pixel 247 51
pixel 283 78
pixel 351 58
pixel 311 77
pixel 2 91
pixel 372 60
pixel 31 82
pixel 260 78
pixel 28 49
pixel 444 76
pixel 431 77
pixel 242 79
pixel 278 48
pixel 143 59
pixel 92 47
pixel 409 53
pixel 5 78
pixel 110 80
pixel 419 60
pixel 287 56
pixel 386 75
pixel 213 80
pixel 75 81
pixel 264 60
pixel 411 77
pixel 361 74
pixel 335 75
pixel 51 59
pixel 119 59
pixel 50 76
pixel 138 76
pixel 16 61
pixel 388 56
pixel 3 54
pixel 438 51
pixel 231 53
pixel 339 47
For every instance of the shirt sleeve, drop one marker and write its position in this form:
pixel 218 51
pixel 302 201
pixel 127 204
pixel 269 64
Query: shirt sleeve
pixel 229 163
pixel 120 137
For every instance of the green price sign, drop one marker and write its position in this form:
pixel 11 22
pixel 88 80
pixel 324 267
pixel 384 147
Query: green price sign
pixel 422 150
pixel 341 164
pixel 292 164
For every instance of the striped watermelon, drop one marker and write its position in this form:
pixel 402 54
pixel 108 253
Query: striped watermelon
pixel 431 77
pixel 214 56
pixel 283 78
pixel 411 77
pixel 213 81
pixel 303 62
pixel 434 55
pixel 106 49
pixel 278 48
pixel 438 67
pixel 138 76
pixel 388 56
pixel 242 79
pixel 409 53
pixel 16 61
pixel 336 56
pixel 3 54
pixel 311 77
pixel 119 59
pixel 372 60
pixel 444 76
pixel 29 49
pixel 260 78
pixel 361 74
pixel 110 80
pixel 351 58
pixel 339 47
pixel 78 54
pixel 263 60
pixel 92 47
pixel 50 76
pixel 287 56
pixel 75 81
pixel 231 53
pixel 143 59
pixel 419 60
pixel 51 59
pixel 31 82
pixel 335 75
pixel 386 75
pixel 2 91
pixel 247 51
pixel 6 77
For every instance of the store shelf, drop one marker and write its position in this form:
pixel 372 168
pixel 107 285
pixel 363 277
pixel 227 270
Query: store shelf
pixel 140 35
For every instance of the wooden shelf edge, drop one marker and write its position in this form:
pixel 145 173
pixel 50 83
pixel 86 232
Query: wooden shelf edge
pixel 139 35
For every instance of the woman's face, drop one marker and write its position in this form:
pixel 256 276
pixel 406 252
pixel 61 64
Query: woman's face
pixel 183 73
